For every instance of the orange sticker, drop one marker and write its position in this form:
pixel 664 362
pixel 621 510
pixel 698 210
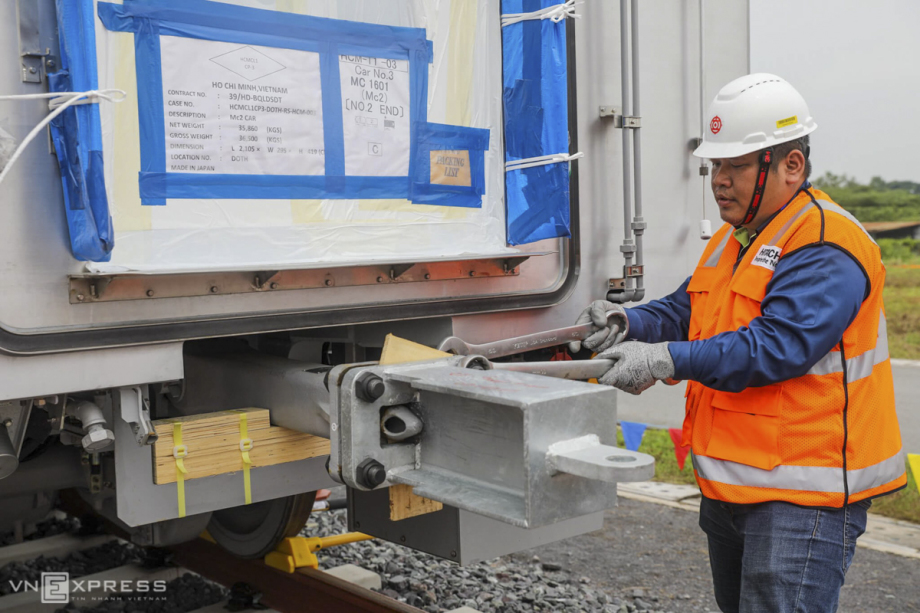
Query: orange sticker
pixel 451 168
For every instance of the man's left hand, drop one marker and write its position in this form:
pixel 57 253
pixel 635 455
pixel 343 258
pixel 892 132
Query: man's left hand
pixel 637 366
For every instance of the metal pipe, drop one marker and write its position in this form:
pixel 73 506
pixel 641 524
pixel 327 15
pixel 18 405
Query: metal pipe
pixel 638 225
pixel 628 247
pixel 705 225
pixel 294 392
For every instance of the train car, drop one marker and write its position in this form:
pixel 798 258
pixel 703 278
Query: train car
pixel 214 214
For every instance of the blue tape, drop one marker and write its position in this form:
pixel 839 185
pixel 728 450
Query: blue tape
pixel 77 136
pixel 195 185
pixel 536 124
pixel 202 19
pixel 440 137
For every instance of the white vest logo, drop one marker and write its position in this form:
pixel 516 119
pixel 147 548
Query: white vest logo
pixel 767 257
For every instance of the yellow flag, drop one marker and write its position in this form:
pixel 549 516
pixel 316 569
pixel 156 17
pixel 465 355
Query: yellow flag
pixel 914 459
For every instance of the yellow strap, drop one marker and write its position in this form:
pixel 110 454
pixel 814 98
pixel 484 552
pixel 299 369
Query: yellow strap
pixel 245 446
pixel 179 451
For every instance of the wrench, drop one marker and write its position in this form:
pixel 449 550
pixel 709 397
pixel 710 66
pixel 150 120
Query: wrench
pixel 577 370
pixel 520 344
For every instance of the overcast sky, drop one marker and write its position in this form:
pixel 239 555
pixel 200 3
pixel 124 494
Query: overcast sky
pixel 857 64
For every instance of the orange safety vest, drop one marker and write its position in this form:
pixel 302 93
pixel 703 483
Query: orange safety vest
pixel 827 438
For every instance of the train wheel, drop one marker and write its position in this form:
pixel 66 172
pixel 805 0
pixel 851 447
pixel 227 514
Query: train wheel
pixel 254 530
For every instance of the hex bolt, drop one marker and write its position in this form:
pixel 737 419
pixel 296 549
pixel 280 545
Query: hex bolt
pixel 7 422
pixel 80 297
pixel 97 436
pixel 273 286
pixel 427 276
pixel 150 293
pixel 328 282
pixel 214 289
pixel 371 473
pixel 379 279
pixel 369 387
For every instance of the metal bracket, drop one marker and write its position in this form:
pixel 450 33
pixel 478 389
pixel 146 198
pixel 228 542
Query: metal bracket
pixel 31 52
pixel 87 289
pixel 586 457
pixel 619 121
pixel 630 122
pixel 135 410
pixel 485 440
pixel 633 271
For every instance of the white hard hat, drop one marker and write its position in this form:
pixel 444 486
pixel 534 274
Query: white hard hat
pixel 751 113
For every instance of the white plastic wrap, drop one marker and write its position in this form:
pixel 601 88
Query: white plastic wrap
pixel 194 234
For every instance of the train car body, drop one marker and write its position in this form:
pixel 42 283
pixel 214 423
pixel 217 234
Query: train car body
pixel 258 192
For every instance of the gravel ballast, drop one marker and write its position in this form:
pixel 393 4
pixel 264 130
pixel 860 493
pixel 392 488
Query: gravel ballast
pixel 506 585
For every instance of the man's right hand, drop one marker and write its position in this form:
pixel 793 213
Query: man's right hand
pixel 606 336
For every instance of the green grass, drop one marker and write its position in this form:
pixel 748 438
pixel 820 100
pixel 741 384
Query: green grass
pixel 900 505
pixel 900 250
pixel 902 308
pixel 657 443
pixel 904 504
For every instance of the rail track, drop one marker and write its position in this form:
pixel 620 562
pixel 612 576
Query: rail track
pixel 304 591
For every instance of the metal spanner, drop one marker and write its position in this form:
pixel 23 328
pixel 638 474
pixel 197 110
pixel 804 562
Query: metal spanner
pixel 529 342
pixel 577 370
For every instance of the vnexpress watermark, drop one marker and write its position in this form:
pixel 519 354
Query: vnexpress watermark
pixel 55 587
pixel 59 588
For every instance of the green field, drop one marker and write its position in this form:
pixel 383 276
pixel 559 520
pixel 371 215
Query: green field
pixel 902 309
pixel 657 443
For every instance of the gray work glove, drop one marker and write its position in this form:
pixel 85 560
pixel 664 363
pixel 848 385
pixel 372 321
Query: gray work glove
pixel 638 366
pixel 605 337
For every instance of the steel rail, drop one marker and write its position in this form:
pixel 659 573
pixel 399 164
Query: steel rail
pixel 305 591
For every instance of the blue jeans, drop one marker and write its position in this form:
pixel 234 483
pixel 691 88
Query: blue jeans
pixel 777 557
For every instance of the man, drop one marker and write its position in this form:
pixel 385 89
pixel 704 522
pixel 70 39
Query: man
pixel 780 333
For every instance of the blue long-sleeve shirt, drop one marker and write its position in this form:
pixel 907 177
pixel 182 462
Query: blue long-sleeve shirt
pixel 812 298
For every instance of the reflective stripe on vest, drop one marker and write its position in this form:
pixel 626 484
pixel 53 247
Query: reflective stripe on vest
pixel 788 224
pixel 861 366
pixel 827 205
pixel 802 478
pixel 717 254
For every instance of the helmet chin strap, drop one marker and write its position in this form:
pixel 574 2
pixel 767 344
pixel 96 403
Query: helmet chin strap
pixel 766 158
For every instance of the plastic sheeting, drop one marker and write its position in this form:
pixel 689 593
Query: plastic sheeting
pixel 205 222
pixel 77 136
pixel 536 124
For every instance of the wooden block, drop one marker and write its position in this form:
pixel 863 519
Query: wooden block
pixel 405 504
pixel 213 441
pixel 399 351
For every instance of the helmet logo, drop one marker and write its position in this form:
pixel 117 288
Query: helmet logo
pixel 716 124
